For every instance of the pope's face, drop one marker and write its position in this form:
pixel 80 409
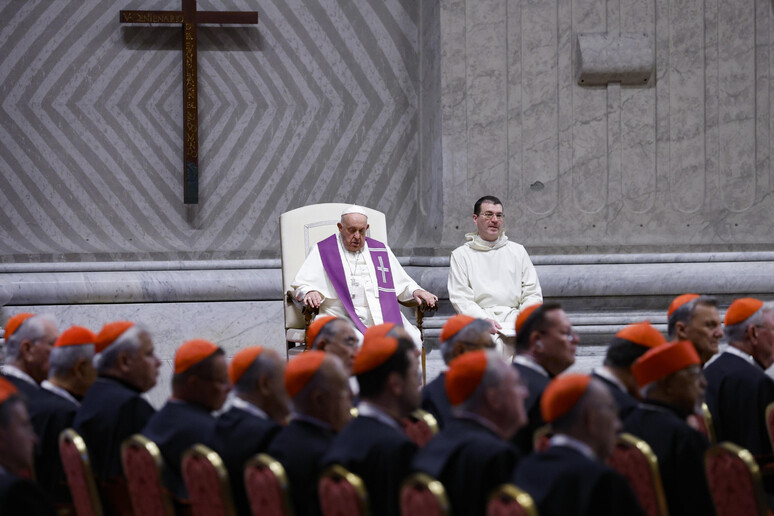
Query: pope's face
pixel 489 221
pixel 353 229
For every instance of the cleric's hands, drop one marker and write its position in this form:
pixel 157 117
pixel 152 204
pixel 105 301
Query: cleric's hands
pixel 495 326
pixel 421 296
pixel 313 299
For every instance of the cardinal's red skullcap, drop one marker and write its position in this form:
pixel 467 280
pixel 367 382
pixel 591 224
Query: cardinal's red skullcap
pixel 741 310
pixel 374 353
pixel 378 331
pixel 524 315
pixel 14 322
pixel 110 333
pixel 464 375
pixel 315 327
pixel 242 362
pixel 454 325
pixel 680 301
pixel 642 333
pixel 562 394
pixel 193 352
pixel 7 389
pixel 75 336
pixel 664 360
pixel 301 369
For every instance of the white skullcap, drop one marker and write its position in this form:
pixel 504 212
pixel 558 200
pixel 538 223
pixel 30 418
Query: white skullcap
pixel 354 209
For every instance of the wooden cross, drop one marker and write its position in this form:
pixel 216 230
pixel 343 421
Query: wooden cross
pixel 189 17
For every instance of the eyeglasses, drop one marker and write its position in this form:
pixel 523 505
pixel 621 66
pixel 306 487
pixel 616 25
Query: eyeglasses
pixel 489 215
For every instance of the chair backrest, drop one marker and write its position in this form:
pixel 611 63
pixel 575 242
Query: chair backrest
pixel 634 460
pixel 143 466
pixel 302 228
pixel 542 437
pixel 207 483
pixel 422 495
pixel 709 426
pixel 77 468
pixel 267 487
pixel 734 480
pixel 342 493
pixel 770 422
pixel 420 426
pixel 509 500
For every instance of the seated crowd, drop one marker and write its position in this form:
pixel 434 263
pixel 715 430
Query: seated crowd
pixel 304 415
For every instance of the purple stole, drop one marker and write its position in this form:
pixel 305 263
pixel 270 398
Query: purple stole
pixel 331 260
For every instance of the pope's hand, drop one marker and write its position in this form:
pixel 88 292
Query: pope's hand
pixel 421 296
pixel 495 326
pixel 313 299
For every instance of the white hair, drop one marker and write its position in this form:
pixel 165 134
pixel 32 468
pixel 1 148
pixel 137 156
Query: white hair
pixel 31 329
pixel 736 332
pixel 129 341
pixel 63 358
pixel 262 365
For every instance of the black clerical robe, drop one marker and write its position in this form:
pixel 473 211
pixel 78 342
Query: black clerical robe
pixel 623 400
pixel 175 428
pixel 737 395
pixel 300 447
pixel 536 383
pixel 27 389
pixel 380 454
pixel 239 436
pixel 50 414
pixel 562 481
pixel 680 452
pixel 470 460
pixel 20 497
pixel 436 402
pixel 110 412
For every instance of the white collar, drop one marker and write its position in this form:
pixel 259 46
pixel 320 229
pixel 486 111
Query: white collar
pixel 741 354
pixel 605 373
pixel 248 407
pixel 12 370
pixel 368 409
pixel 528 361
pixel 571 442
pixel 62 393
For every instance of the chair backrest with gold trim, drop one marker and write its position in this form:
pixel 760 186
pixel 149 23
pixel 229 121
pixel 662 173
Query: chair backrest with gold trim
pixel 420 426
pixel 77 468
pixel 267 487
pixel 634 460
pixel 509 500
pixel 143 466
pixel 734 480
pixel 422 495
pixel 542 437
pixel 342 492
pixel 770 422
pixel 207 482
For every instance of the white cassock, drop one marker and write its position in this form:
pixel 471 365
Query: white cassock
pixel 493 280
pixel 361 280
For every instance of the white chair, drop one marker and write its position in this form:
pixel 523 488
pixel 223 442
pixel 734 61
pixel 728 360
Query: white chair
pixel 300 230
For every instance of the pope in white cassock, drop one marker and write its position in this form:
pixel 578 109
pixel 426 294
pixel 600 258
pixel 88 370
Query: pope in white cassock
pixel 350 275
pixel 491 277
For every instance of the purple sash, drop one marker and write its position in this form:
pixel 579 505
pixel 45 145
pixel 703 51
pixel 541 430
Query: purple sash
pixel 331 260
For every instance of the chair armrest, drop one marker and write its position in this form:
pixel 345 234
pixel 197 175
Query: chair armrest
pixel 308 311
pixel 423 307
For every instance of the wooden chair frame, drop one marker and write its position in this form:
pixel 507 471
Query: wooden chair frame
pixel 337 471
pixel 540 432
pixel 707 416
pixel 263 460
pixel 521 497
pixel 427 418
pixel 208 454
pixel 434 486
pixel 769 409
pixel 630 440
pixel 140 441
pixel 71 435
pixel 747 458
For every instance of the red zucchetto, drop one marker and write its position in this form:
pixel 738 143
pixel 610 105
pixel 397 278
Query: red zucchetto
pixel 301 369
pixel 562 394
pixel 464 375
pixel 193 352
pixel 664 360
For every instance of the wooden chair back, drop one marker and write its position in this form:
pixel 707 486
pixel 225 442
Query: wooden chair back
pixel 342 493
pixel 80 479
pixel 207 482
pixel 634 460
pixel 267 487
pixel 734 481
pixel 422 495
pixel 509 500
pixel 420 426
pixel 143 467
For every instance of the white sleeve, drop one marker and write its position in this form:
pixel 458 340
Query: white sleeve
pixel 460 290
pixel 404 285
pixel 312 276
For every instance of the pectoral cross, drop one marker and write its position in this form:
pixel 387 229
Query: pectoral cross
pixel 190 18
pixel 383 270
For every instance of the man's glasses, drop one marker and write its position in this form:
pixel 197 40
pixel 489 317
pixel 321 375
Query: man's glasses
pixel 488 215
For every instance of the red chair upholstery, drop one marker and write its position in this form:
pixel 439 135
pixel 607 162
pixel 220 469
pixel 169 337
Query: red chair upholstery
pixel 734 481
pixel 266 484
pixel 702 422
pixel 420 427
pixel 342 493
pixel 542 437
pixel 207 483
pixel 77 468
pixel 143 465
pixel 509 500
pixel 770 422
pixel 635 461
pixel 422 495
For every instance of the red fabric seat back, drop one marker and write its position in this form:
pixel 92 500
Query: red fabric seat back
pixel 417 430
pixel 422 495
pixel 143 478
pixel 633 465
pixel 734 482
pixel 505 507
pixel 207 488
pixel 509 500
pixel 264 491
pixel 75 463
pixel 341 493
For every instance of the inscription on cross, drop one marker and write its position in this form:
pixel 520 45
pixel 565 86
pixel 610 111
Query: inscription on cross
pixel 190 18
